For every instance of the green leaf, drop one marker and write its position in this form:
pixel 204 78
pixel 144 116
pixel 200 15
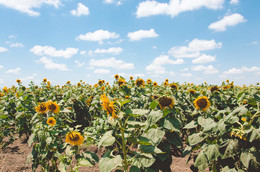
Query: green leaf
pixel 255 135
pixel 84 162
pixel 241 110
pixel 136 124
pixel 192 124
pixel 230 119
pixel 48 140
pixel 174 139
pixel 204 122
pixel 134 169
pixel 154 116
pixel 154 135
pixel 227 169
pixel 195 139
pixel 154 104
pixel 231 149
pixel 201 161
pixel 245 158
pixel 171 123
pixel 212 152
pixel 211 126
pixel 107 139
pixel 108 164
pixel 31 139
pixel 150 149
pixel 144 160
pixel 140 112
pixel 221 126
pixel 124 102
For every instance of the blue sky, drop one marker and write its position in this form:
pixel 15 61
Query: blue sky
pixel 182 40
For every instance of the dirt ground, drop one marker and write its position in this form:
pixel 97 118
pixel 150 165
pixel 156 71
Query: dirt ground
pixel 13 159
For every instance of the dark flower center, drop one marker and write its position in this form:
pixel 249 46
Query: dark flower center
pixel 52 107
pixel 202 103
pixel 165 101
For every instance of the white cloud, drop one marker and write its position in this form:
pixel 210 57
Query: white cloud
pixel 15 71
pixel 1 81
pixel 253 43
pixel 231 20
pixel 204 59
pixel 111 62
pixel 79 64
pixel 29 78
pixel 140 34
pixel 241 70
pixel 108 1
pixel 125 75
pixel 2 49
pixel 98 35
pixel 157 66
pixel 206 69
pixel 83 52
pixel 112 50
pixel 81 10
pixel 1 66
pixel 11 37
pixel 186 74
pixel 194 48
pixel 16 45
pixel 49 64
pixel 101 71
pixel 51 51
pixel 26 6
pixel 184 70
pixel 175 7
pixel 234 2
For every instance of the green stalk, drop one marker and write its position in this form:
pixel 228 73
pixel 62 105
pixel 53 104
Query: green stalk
pixel 125 163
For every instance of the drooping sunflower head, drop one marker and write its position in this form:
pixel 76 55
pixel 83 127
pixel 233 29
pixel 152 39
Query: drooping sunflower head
pixel 155 84
pixel 53 107
pixel 51 121
pixel 131 78
pixel 214 88
pixel 121 81
pixel 111 110
pixel 45 80
pixel 116 76
pixel 74 138
pixel 149 81
pixel 202 103
pixel 18 81
pixel 166 102
pixel 174 86
pixel 139 82
pixel 192 91
pixel 41 108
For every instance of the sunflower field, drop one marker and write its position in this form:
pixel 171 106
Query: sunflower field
pixel 139 124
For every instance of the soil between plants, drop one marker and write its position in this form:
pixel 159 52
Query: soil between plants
pixel 14 159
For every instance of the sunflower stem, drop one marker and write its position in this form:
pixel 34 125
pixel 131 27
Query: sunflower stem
pixel 125 163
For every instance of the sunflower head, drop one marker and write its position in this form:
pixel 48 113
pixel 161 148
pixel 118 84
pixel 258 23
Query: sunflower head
pixel 45 80
pixel 41 108
pixel 74 138
pixel 111 110
pixel 5 89
pixel 104 101
pixel 149 81
pixel 102 88
pixel 51 121
pixel 131 78
pixel 202 103
pixel 100 82
pixel 107 83
pixel 155 97
pixel 192 91
pixel 243 119
pixel 53 107
pixel 2 94
pixel 166 80
pixel 227 81
pixel 214 88
pixel 139 82
pixel 48 82
pixel 174 86
pixel 18 81
pixel 166 102
pixel 165 83
pixel 96 85
pixel 155 84
pixel 116 76
pixel 68 82
pixel 226 87
pixel 121 81
pixel 79 84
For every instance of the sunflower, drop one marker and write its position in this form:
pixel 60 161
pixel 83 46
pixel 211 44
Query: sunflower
pixel 102 88
pixel 2 94
pixel 79 84
pixel 166 101
pixel 243 119
pixel 5 89
pixel 108 106
pixel 174 86
pixel 155 84
pixel 45 80
pixel 149 81
pixel 74 138
pixel 41 108
pixel 226 87
pixel 49 83
pixel 53 107
pixel 139 82
pixel 104 101
pixel 18 81
pixel 121 81
pixel 167 80
pixel 192 91
pixel 116 76
pixel 100 82
pixel 131 78
pixel 68 82
pixel 227 81
pixel 96 85
pixel 214 88
pixel 51 121
pixel 165 83
pixel 155 97
pixel 107 83
pixel 202 103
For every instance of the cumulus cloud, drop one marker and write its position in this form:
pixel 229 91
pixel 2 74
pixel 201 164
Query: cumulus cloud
pixel 80 11
pixel 98 35
pixel 112 50
pixel 204 59
pixel 49 64
pixel 27 6
pixel 141 34
pixel 157 66
pixel 51 51
pixel 234 2
pixel 101 71
pixel 206 69
pixel 242 70
pixel 83 52
pixel 111 62
pixel 186 74
pixel 16 45
pixel 194 48
pixel 15 71
pixel 79 64
pixel 3 49
pixel 29 78
pixel 175 7
pixel 231 20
